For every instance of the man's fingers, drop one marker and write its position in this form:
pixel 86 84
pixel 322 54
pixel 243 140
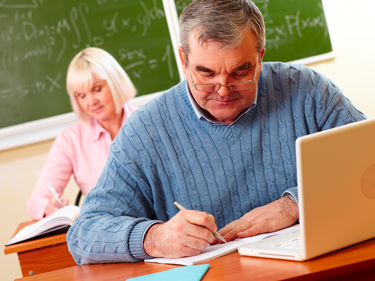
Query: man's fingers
pixel 200 219
pixel 254 230
pixel 186 234
pixel 232 230
pixel 271 217
pixel 201 233
pixel 195 243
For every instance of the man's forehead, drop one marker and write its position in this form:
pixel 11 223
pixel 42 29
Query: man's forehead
pixel 211 54
pixel 213 60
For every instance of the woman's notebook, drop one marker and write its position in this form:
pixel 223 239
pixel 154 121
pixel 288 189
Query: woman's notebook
pixel 58 221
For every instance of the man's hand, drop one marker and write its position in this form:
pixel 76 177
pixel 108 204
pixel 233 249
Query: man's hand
pixel 53 205
pixel 186 234
pixel 274 216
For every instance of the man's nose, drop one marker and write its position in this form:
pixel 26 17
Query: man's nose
pixel 224 89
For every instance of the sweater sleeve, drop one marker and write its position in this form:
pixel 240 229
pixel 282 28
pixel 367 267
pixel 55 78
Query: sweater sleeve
pixel 56 171
pixel 115 214
pixel 293 191
pixel 324 104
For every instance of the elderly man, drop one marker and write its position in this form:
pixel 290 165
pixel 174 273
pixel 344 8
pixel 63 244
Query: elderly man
pixel 221 143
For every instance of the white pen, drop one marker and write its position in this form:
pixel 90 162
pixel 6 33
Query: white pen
pixel 217 235
pixel 54 193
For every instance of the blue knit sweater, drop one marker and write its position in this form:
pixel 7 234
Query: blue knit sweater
pixel 163 153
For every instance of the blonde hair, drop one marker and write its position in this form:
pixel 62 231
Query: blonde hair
pixel 95 61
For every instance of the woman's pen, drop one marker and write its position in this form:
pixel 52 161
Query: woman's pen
pixel 54 193
pixel 217 235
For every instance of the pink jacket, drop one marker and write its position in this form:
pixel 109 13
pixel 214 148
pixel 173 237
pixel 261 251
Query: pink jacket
pixel 81 150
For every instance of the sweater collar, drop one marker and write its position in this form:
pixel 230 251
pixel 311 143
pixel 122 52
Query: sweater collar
pixel 230 132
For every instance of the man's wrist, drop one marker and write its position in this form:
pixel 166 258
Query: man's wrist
pixel 293 192
pixel 136 239
pixel 292 205
pixel 149 240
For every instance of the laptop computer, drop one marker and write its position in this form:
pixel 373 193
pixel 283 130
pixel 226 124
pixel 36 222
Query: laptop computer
pixel 336 186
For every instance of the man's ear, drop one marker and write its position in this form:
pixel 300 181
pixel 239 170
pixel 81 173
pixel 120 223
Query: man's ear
pixel 262 53
pixel 182 55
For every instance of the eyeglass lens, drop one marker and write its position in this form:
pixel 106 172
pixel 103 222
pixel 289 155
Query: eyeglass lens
pixel 216 87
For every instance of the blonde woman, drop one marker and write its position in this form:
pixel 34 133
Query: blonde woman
pixel 99 90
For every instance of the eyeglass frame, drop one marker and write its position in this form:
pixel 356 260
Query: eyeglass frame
pixel 220 85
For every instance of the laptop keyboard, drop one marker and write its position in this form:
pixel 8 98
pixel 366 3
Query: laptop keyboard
pixel 295 243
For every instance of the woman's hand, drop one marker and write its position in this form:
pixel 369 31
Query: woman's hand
pixel 53 205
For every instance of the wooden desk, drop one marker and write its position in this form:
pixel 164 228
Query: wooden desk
pixel 353 263
pixel 41 255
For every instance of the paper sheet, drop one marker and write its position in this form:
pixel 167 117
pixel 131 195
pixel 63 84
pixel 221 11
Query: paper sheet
pixel 215 251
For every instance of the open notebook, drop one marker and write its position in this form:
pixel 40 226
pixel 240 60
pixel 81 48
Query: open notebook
pixel 336 186
pixel 56 223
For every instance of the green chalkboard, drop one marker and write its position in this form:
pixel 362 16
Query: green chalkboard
pixel 38 39
pixel 295 29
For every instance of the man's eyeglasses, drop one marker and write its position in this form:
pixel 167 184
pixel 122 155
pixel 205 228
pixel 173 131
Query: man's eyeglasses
pixel 214 87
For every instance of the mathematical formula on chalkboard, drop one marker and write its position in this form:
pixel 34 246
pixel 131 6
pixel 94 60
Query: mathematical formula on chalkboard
pixel 295 29
pixel 39 39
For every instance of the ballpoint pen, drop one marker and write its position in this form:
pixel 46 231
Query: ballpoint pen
pixel 217 235
pixel 54 193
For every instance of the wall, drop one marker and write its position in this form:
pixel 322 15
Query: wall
pixel 352 33
pixel 19 170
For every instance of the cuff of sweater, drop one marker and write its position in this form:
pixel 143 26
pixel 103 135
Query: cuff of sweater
pixel 137 237
pixel 293 191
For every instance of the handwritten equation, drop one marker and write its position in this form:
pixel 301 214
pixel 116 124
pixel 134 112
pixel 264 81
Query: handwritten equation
pixel 293 25
pixel 278 32
pixel 26 40
pixel 39 38
pixel 47 83
pixel 136 60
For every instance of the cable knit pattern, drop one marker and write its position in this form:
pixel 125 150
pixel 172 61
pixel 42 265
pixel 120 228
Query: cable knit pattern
pixel 163 154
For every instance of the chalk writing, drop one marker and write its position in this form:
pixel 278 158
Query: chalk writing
pixel 110 25
pixel 38 86
pixel 181 4
pixel 279 32
pixel 138 58
pixel 84 9
pixel 8 5
pixel 30 31
pixel 149 14
pixel 55 34
pixel 39 39
pixel 167 57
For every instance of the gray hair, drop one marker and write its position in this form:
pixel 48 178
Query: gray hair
pixel 223 21
pixel 95 61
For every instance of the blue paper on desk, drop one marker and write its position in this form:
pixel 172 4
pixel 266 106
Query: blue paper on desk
pixel 185 273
